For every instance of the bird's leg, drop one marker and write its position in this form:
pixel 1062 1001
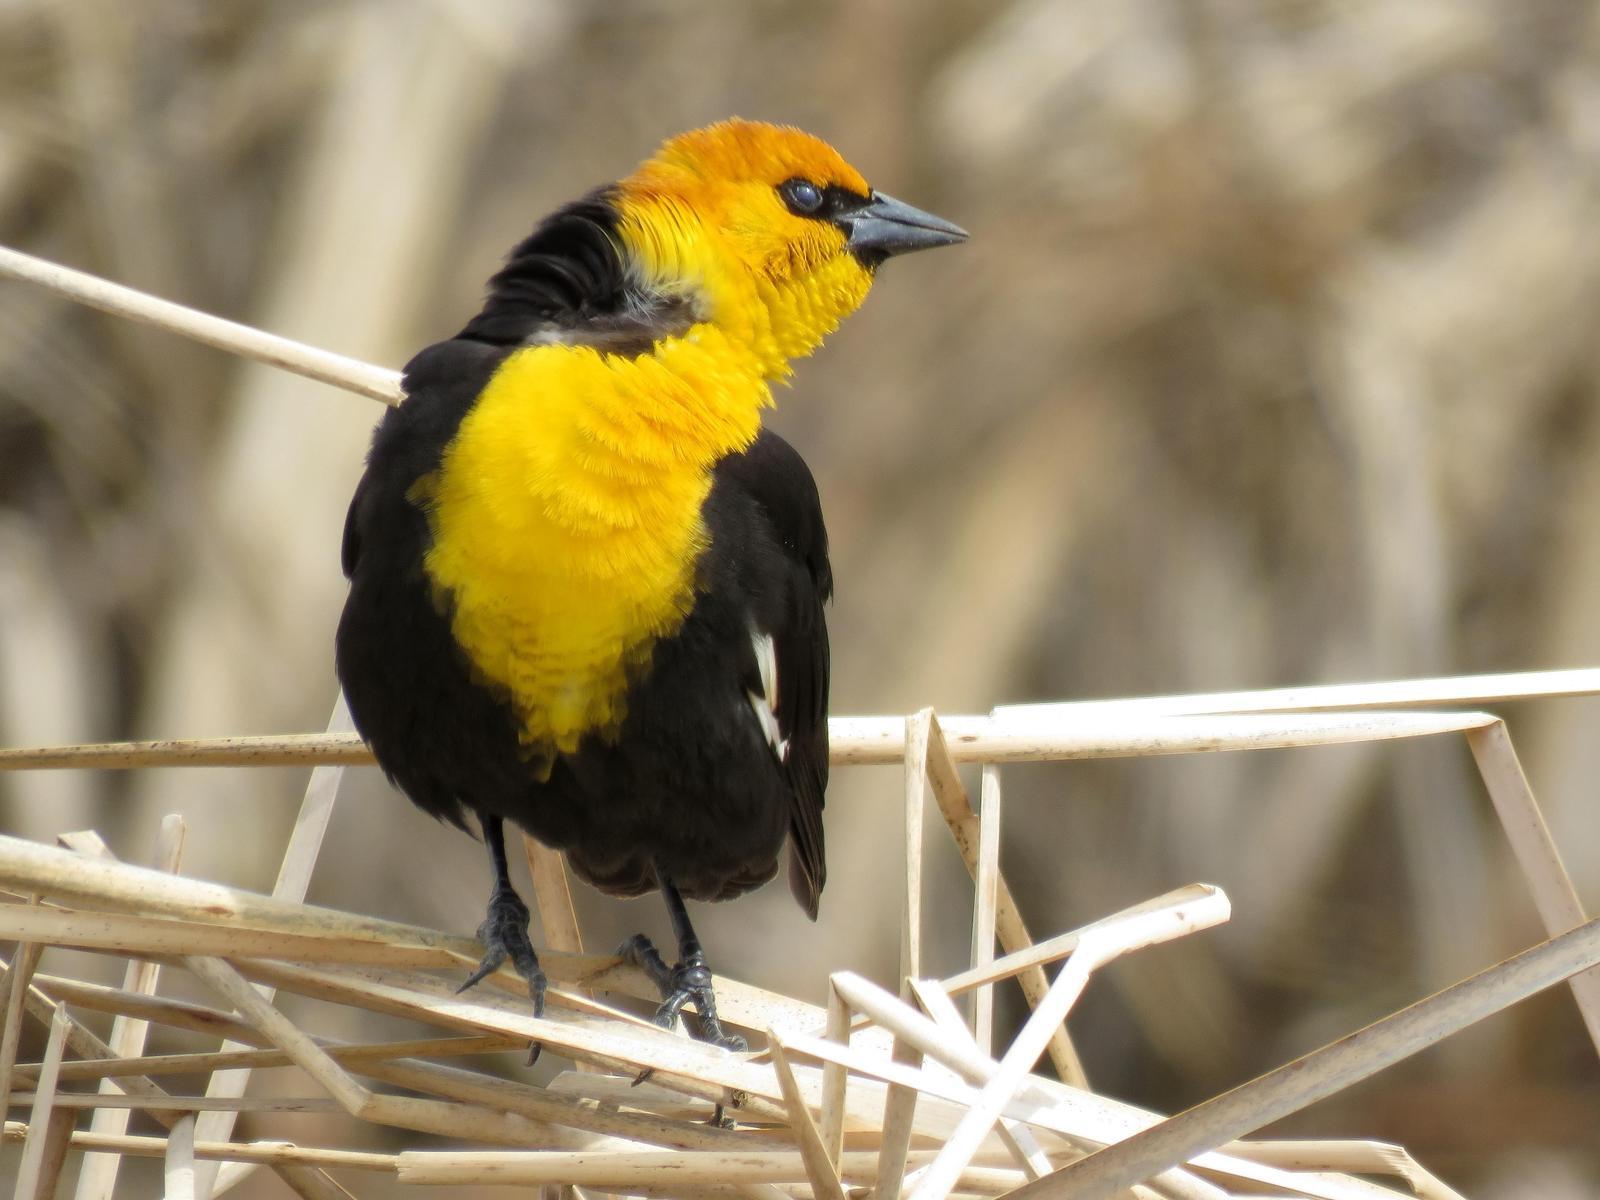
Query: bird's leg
pixel 688 981
pixel 504 932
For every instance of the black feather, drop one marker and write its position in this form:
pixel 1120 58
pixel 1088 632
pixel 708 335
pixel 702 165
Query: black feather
pixel 566 283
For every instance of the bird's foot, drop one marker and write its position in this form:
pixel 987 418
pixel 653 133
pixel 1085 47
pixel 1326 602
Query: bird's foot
pixel 504 934
pixel 688 982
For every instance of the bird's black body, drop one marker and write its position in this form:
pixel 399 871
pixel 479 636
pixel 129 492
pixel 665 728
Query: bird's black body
pixel 663 716
pixel 690 787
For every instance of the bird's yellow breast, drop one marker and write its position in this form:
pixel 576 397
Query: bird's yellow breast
pixel 566 520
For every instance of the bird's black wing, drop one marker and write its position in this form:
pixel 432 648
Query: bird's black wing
pixel 775 475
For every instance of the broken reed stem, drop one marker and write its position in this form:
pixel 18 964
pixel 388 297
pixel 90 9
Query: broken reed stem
pixel 364 379
pixel 1321 1073
pixel 1096 947
pixel 97 1176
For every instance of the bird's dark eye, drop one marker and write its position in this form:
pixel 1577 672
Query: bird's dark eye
pixel 803 197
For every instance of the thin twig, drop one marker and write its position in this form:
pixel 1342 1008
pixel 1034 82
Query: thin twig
pixel 352 375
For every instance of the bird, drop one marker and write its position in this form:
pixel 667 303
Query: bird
pixel 586 584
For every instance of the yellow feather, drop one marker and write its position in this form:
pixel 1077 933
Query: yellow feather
pixel 567 525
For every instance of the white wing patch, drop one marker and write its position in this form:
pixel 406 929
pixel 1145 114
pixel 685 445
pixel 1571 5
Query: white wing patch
pixel 765 702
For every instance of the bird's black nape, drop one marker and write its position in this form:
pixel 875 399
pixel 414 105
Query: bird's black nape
pixel 567 284
pixel 567 271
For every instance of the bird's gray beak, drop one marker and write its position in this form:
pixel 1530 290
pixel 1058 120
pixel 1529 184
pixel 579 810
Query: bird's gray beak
pixel 885 226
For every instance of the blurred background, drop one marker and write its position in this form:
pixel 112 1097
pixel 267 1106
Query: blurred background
pixel 1272 360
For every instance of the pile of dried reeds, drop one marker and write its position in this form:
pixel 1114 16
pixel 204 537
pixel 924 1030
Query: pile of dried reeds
pixel 896 1095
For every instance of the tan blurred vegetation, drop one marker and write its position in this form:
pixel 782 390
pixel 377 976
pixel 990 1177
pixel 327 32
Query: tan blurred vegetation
pixel 1272 360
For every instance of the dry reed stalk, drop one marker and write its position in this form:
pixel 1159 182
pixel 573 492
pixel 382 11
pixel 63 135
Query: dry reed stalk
pixel 97 1175
pixel 966 828
pixel 607 1123
pixel 918 731
pixel 178 1165
pixel 663 1170
pixel 292 750
pixel 185 1064
pixel 19 976
pixel 1399 693
pixel 350 374
pixel 986 882
pixel 1064 944
pixel 57 1144
pixel 132 935
pixel 820 1168
pixel 853 741
pixel 1095 948
pixel 256 1152
pixel 834 1081
pixel 897 1125
pixel 193 1104
pixel 179 1014
pixel 1554 896
pixel 33 1177
pixel 552 896
pixel 123 888
pixel 624 1091
pixel 1361 1157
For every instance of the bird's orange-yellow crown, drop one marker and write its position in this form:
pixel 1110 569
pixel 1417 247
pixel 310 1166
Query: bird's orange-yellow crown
pixel 737 151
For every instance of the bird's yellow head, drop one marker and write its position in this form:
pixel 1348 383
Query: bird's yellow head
pixel 766 232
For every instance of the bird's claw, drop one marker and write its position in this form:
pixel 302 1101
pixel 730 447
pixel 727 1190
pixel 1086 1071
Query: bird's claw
pixel 688 982
pixel 504 934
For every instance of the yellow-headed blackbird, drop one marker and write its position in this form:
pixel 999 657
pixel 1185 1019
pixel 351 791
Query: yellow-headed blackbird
pixel 586 586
